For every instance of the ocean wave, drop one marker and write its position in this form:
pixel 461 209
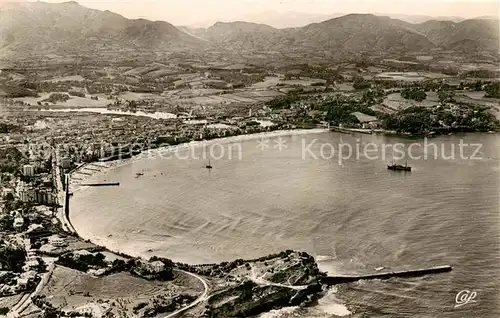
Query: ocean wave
pixel 324 258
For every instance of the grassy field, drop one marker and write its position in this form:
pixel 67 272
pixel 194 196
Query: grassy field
pixel 69 289
pixel 344 87
pixel 395 101
pixel 476 95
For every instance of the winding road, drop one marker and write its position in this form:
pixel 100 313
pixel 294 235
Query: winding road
pixel 26 300
pixel 200 299
pixel 262 281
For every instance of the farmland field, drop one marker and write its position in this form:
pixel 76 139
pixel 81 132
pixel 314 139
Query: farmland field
pixel 74 101
pixel 73 78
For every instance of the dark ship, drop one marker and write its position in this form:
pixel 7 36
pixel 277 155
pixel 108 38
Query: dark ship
pixel 396 167
pixel 209 166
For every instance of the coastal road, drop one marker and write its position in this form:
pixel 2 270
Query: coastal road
pixel 61 194
pixel 200 299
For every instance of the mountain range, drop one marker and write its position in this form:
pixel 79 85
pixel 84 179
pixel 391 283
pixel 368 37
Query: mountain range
pixel 293 19
pixel 357 33
pixel 69 28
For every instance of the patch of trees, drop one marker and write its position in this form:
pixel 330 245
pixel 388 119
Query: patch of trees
pixel 82 262
pixel 10 204
pixel 421 120
pixel 29 85
pixel 414 120
pixel 318 84
pixel 341 114
pixel 119 265
pixel 360 83
pixel 493 90
pixel 373 96
pixel 414 93
pixel 339 110
pixel 19 92
pixel 57 97
pixel 7 128
pixel 363 63
pixel 446 96
pixel 476 86
pixel 241 79
pixel 77 94
pixel 8 278
pixel 145 89
pixel 165 274
pixel 12 258
pixel 10 160
pixel 97 88
pixel 479 74
pixel 280 103
pixel 285 102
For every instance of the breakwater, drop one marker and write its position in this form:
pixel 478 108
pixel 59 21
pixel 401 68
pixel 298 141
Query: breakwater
pixel 333 280
pixel 108 184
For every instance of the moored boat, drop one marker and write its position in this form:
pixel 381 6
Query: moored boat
pixel 396 167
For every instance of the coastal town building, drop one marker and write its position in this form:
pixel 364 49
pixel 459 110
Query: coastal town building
pixel 18 222
pixel 65 162
pixel 7 191
pixel 57 241
pixel 28 170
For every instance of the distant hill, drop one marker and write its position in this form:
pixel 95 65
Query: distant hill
pixel 414 19
pixel 29 28
pixel 70 28
pixel 351 33
pixel 468 35
pixel 362 33
pixel 243 35
pixel 293 19
pixel 290 19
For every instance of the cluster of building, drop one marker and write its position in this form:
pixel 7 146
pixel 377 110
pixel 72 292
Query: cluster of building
pixel 28 277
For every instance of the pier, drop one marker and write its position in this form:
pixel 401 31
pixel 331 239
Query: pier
pixel 333 280
pixel 108 184
pixel 352 130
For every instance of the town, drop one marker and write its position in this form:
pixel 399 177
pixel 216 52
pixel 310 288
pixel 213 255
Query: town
pixel 51 126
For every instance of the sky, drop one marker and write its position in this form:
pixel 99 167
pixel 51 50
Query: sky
pixel 191 12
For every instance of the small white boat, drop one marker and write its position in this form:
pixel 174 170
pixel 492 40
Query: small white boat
pixel 378 269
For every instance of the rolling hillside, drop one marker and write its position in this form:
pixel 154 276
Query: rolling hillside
pixel 31 28
pixel 70 28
